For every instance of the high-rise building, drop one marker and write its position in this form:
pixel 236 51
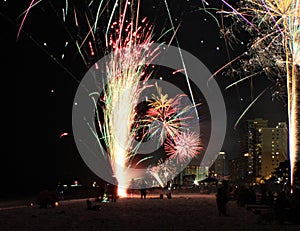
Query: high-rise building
pixel 238 168
pixel 220 164
pixel 263 149
pixel 254 129
pixel 274 148
pixel 218 169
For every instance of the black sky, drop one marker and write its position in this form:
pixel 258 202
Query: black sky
pixel 44 90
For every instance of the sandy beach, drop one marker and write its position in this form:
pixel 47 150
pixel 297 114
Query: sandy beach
pixel 182 212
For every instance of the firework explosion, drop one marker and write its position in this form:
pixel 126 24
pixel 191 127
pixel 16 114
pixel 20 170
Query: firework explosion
pixel 167 121
pixel 127 45
pixel 165 116
pixel 183 147
pixel 164 171
pixel 273 49
pixel 125 71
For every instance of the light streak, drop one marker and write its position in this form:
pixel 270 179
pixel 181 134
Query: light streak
pixel 271 49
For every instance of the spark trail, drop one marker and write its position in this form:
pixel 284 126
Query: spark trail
pixel 275 29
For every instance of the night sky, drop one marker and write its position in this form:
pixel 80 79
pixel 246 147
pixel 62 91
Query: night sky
pixel 45 90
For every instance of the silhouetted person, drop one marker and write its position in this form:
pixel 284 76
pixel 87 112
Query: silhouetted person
pixel 143 193
pixel 243 196
pixel 295 206
pixel 252 196
pixel 113 188
pixel 60 191
pixel 143 190
pixel 101 191
pixel 270 198
pixel 46 198
pixel 263 190
pixel 92 207
pixel 222 198
pixel 132 185
pixel 280 205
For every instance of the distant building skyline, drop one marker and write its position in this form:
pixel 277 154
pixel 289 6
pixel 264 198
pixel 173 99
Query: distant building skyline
pixel 262 149
pixel 274 148
pixel 219 167
pixel 254 128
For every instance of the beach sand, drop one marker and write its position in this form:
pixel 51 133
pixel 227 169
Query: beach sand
pixel 181 213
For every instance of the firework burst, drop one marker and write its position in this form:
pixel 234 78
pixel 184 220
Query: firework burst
pixel 163 171
pixel 95 28
pixel 183 147
pixel 125 40
pixel 166 116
